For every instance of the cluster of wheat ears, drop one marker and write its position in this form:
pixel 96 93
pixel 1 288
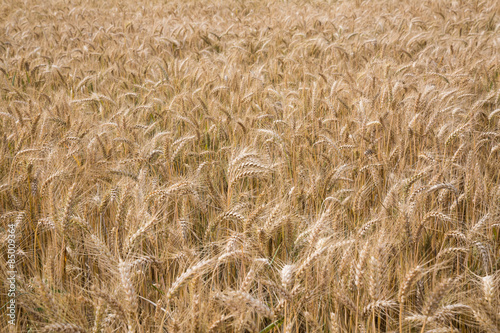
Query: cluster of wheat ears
pixel 251 166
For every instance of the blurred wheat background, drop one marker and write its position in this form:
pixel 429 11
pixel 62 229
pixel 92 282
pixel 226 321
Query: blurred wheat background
pixel 251 166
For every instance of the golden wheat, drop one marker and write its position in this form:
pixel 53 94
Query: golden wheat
pixel 250 166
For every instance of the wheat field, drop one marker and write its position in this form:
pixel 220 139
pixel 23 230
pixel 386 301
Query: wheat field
pixel 250 166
